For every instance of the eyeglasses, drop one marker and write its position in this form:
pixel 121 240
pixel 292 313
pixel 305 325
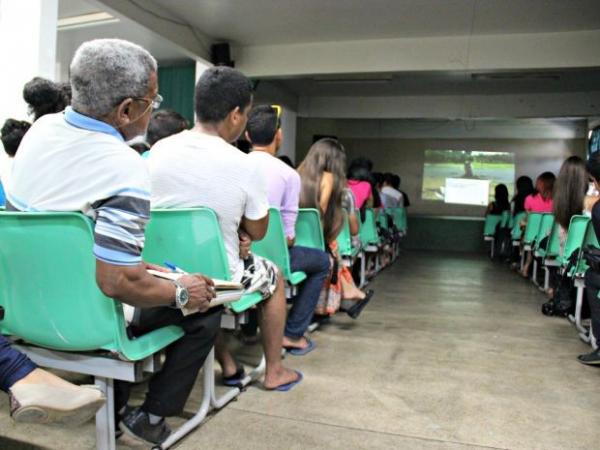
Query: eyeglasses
pixel 277 109
pixel 155 102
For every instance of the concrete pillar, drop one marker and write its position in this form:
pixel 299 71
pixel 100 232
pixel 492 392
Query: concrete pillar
pixel 28 49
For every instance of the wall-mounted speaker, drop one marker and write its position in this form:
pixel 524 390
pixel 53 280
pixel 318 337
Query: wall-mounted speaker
pixel 220 55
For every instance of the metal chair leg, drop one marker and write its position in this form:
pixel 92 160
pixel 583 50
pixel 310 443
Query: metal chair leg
pixel 105 417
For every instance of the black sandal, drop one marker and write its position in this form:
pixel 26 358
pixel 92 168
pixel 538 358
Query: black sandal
pixel 355 310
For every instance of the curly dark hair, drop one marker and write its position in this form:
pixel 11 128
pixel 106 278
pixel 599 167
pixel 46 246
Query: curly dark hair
pixel 46 97
pixel 12 133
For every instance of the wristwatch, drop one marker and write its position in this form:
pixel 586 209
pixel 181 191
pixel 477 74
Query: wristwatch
pixel 181 295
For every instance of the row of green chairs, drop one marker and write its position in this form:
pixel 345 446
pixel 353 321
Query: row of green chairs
pixel 67 323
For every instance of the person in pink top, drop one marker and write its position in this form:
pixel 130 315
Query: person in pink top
pixel 539 202
pixel 359 182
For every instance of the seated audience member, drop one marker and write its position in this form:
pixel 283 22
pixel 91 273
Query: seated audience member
pixel 37 396
pixel 46 97
pixel 396 185
pixel 140 145
pixel 264 132
pixel 390 196
pixel 323 186
pixel 165 123
pixel 592 278
pixel 114 90
pixel 524 188
pixel 569 194
pixel 200 168
pixel 11 134
pixel 500 203
pixel 540 202
pixel 359 182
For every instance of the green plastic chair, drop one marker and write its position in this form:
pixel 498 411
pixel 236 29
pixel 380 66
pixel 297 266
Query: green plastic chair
pixel 575 237
pixel 516 231
pixel 344 240
pixel 544 229
pixel 491 223
pixel 531 230
pixel 49 289
pixel 309 232
pixel 589 238
pixel 382 218
pixel 400 220
pixel 191 239
pixel 274 248
pixel 368 231
pixel 552 249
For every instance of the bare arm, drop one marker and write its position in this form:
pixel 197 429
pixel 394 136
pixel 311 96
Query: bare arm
pixel 135 286
pixel 353 222
pixel 326 189
pixel 256 229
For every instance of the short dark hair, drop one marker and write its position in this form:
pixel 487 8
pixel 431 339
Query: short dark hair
pixel 262 124
pixel 396 182
pixel 46 97
pixel 12 133
pixel 219 91
pixel 388 178
pixel 165 123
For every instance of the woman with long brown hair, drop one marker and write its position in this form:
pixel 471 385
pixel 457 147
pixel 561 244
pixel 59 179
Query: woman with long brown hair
pixel 323 186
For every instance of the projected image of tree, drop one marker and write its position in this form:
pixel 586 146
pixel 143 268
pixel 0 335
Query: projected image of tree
pixel 475 173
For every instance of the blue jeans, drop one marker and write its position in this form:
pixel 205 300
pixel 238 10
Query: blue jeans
pixel 315 264
pixel 14 365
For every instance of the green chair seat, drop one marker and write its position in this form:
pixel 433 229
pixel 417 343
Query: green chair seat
pixel 309 231
pixel 274 247
pixel 191 238
pixel 368 230
pixel 344 240
pixel 552 250
pixel 491 223
pixel 49 291
pixel 575 237
pixel 516 230
pixel 297 278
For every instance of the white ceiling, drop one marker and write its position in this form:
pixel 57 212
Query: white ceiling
pixel 260 22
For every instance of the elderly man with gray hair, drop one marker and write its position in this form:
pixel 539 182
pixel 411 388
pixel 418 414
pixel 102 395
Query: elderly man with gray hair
pixel 78 161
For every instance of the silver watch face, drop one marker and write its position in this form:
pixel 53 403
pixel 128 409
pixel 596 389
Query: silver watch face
pixel 181 295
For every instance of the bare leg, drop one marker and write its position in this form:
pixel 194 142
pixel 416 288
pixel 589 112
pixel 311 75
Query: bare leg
pixel 272 322
pixel 224 356
pixel 528 260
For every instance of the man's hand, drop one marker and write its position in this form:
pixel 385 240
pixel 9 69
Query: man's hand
pixel 245 242
pixel 201 291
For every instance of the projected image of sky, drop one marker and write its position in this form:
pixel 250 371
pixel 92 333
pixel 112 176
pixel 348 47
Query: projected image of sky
pixel 466 177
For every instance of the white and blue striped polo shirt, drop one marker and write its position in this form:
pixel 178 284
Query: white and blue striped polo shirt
pixel 71 162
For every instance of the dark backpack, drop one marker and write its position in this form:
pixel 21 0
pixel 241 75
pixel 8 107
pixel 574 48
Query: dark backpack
pixel 563 302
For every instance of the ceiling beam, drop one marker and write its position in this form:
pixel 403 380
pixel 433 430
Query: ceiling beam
pixel 481 52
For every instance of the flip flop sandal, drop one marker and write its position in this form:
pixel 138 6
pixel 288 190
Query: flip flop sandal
pixel 235 380
pixel 355 310
pixel 302 351
pixel 288 386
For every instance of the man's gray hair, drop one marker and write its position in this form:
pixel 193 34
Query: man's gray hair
pixel 105 72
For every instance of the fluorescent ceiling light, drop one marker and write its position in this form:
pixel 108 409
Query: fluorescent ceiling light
pixel 85 20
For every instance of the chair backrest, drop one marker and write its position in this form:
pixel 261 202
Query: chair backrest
pixel 575 237
pixel 532 228
pixel 517 231
pixel 544 229
pixel 553 248
pixel 382 218
pixel 48 287
pixel 399 215
pixel 344 239
pixel 589 238
pixel 274 245
pixel 491 223
pixel 368 230
pixel 309 231
pixel 189 238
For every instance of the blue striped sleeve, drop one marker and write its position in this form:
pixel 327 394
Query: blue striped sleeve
pixel 119 229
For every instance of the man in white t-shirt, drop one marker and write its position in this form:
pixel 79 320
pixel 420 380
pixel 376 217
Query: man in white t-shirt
pixel 199 168
pixel 390 197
